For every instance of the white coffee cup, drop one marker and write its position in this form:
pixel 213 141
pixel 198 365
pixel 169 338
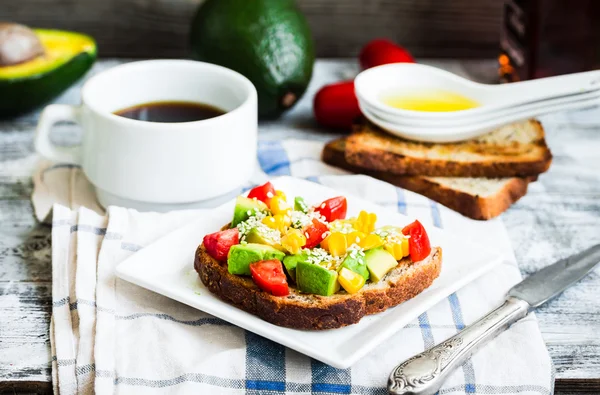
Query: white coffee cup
pixel 144 164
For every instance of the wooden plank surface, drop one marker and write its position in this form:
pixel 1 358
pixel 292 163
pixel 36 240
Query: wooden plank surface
pixel 559 216
pixel 159 28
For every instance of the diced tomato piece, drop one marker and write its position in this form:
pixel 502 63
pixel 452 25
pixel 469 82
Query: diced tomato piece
pixel 418 243
pixel 269 276
pixel 334 208
pixel 218 244
pixel 314 233
pixel 264 192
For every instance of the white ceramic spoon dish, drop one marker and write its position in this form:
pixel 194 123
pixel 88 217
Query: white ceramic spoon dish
pixel 497 104
pixel 451 134
pixel 527 110
pixel 374 84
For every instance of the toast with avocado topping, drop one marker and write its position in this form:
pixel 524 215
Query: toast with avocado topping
pixel 310 267
pixel 309 311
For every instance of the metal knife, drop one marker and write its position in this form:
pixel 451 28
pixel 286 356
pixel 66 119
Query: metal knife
pixel 424 373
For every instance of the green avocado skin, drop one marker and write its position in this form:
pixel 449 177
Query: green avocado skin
pixel 268 41
pixel 20 95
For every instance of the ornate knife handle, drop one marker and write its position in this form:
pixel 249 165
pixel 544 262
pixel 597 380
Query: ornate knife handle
pixel 424 373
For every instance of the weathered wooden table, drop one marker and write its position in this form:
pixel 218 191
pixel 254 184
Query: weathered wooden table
pixel 559 216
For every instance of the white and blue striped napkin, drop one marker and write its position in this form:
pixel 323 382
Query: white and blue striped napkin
pixel 109 336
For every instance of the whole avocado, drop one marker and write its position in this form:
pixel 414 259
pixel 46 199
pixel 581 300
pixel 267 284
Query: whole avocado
pixel 268 41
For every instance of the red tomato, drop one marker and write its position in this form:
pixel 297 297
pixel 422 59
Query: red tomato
pixel 218 244
pixel 264 192
pixel 382 51
pixel 334 208
pixel 336 105
pixel 269 276
pixel 418 244
pixel 314 233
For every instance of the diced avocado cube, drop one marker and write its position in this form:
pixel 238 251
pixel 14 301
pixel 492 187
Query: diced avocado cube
pixel 244 208
pixel 291 261
pixel 379 262
pixel 273 253
pixel 357 265
pixel 300 204
pixel 315 279
pixel 242 255
pixel 255 236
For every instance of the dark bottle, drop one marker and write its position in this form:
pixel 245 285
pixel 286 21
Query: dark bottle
pixel 542 38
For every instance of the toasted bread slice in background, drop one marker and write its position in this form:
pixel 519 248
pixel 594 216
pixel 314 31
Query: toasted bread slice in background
pixel 515 150
pixel 477 198
pixel 308 311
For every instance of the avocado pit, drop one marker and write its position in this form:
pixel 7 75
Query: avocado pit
pixel 18 44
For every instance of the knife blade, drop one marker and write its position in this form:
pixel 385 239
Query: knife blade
pixel 552 280
pixel 423 374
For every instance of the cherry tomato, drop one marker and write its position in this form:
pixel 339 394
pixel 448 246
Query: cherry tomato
pixel 264 192
pixel 314 233
pixel 382 51
pixel 336 105
pixel 218 244
pixel 269 276
pixel 334 208
pixel 418 243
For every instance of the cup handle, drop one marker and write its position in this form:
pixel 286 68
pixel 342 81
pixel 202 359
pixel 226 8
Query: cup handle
pixel 51 115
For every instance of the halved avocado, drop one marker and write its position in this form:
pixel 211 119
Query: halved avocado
pixel 25 86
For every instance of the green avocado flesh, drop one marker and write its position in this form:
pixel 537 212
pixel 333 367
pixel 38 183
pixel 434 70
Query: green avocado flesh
pixel 300 205
pixel 291 261
pixel 357 265
pixel 315 279
pixel 242 206
pixel 242 255
pixel 268 41
pixel 379 262
pixel 255 236
pixel 25 86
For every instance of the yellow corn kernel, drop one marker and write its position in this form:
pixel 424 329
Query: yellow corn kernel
pixel 278 222
pixel 355 237
pixel 293 241
pixel 280 194
pixel 405 251
pixel 325 242
pixel 371 241
pixel 350 281
pixel 269 220
pixel 336 244
pixel 395 249
pixel 286 220
pixel 365 222
pixel 279 205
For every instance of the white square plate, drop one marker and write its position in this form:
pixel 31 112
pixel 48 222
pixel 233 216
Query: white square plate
pixel 165 266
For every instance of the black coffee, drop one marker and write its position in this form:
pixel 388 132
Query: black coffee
pixel 170 111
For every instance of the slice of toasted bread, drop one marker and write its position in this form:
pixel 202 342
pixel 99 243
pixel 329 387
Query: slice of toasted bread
pixel 307 311
pixel 514 150
pixel 477 198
